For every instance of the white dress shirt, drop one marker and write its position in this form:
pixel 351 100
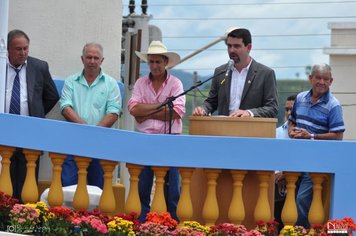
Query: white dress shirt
pixel 237 86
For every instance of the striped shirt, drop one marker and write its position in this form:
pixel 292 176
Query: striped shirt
pixel 322 117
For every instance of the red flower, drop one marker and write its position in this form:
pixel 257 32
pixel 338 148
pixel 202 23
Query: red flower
pixel 163 219
pixel 227 229
pixel 95 212
pixel 132 216
pixel 346 222
pixel 6 201
pixel 6 204
pixel 260 223
pixel 349 222
pixel 267 228
pixel 62 212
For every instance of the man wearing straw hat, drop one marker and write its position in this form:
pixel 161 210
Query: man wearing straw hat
pixel 150 91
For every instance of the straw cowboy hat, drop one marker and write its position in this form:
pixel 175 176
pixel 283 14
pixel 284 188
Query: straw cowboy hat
pixel 157 48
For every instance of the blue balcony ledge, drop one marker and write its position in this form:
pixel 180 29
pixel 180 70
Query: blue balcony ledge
pixel 336 157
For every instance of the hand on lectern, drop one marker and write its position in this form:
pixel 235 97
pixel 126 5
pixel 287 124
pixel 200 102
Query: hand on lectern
pixel 199 111
pixel 240 113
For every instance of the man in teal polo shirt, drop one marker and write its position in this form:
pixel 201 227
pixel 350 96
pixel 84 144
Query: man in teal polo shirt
pixel 89 97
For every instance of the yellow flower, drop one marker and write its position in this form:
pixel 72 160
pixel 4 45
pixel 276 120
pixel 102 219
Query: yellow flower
pixel 196 226
pixel 120 225
pixel 51 215
pixel 31 205
pixel 42 205
pixel 288 230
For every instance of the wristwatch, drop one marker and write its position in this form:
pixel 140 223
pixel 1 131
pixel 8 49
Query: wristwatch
pixel 312 136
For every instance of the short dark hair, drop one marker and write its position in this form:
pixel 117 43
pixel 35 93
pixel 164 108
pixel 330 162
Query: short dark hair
pixel 241 33
pixel 14 34
pixel 292 97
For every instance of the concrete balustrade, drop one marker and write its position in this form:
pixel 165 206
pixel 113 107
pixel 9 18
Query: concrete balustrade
pixel 263 209
pixel 81 195
pixel 158 203
pixel 55 194
pixel 210 211
pixel 107 203
pixel 185 205
pixel 30 189
pixel 289 212
pixel 316 213
pixel 214 159
pixel 133 203
pixel 5 179
pixel 237 208
pixel 211 208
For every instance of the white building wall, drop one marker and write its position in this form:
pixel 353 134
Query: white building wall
pixel 343 62
pixel 58 31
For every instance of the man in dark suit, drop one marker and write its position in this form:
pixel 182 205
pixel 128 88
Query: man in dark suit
pixel 30 91
pixel 249 90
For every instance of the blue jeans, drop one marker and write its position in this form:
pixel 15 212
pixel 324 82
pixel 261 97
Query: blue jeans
pixel 171 191
pixel 95 174
pixel 303 199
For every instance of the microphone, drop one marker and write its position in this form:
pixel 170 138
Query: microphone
pixel 230 64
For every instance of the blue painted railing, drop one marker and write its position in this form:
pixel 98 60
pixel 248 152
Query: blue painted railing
pixel 337 157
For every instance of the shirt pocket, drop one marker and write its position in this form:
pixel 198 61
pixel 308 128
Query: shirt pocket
pixel 99 101
pixel 166 93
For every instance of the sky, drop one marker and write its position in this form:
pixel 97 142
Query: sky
pixel 287 35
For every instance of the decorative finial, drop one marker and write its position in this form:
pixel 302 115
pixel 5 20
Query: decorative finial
pixel 144 7
pixel 132 7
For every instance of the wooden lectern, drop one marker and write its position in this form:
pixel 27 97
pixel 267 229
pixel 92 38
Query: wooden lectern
pixel 233 126
pixel 230 126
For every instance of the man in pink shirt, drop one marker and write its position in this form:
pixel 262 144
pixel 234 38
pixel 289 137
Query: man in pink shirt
pixel 149 93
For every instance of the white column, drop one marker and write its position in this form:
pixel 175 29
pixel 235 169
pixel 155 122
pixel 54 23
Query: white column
pixel 4 18
pixel 342 56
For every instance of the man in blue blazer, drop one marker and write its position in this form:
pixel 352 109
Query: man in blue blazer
pixel 250 89
pixel 30 91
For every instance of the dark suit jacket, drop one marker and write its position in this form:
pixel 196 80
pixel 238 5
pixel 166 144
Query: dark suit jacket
pixel 259 94
pixel 42 94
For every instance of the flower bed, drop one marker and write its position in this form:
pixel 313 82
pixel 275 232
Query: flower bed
pixel 37 219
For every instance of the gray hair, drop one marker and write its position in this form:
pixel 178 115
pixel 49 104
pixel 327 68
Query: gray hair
pixel 322 68
pixel 93 44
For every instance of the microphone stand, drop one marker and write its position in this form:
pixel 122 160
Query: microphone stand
pixel 169 101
